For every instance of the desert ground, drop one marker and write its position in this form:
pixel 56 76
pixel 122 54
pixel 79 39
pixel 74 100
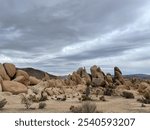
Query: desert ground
pixel 112 105
pixel 23 91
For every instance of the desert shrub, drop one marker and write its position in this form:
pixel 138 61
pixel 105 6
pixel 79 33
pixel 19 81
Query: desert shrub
pixel 42 105
pixel 26 101
pixel 3 103
pixel 108 91
pixel 144 100
pixel 146 97
pixel 75 109
pixel 87 91
pixel 86 107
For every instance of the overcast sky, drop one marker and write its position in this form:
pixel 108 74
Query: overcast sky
pixel 58 36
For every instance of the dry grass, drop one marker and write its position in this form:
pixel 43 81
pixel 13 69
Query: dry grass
pixel 26 101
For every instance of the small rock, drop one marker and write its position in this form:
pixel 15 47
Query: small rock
pixel 61 98
pixel 102 98
pixel 143 105
pixel 127 94
pixel 2 102
pixel 34 106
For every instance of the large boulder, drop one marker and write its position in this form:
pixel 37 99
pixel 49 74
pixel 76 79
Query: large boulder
pixel 14 87
pixel 26 76
pixel 127 94
pixel 20 79
pixel 118 76
pixel 117 69
pixel 33 80
pixel 96 82
pixel 120 88
pixel 10 69
pixel 3 73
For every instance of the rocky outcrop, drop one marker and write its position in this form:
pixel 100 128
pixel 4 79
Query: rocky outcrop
pixel 98 77
pixel 75 79
pixel 118 78
pixel 14 87
pixel 84 75
pixel 10 69
pixel 96 72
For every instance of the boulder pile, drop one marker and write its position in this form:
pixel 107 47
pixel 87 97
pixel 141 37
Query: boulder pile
pixel 14 80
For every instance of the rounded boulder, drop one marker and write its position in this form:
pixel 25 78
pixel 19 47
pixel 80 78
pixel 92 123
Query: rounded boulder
pixel 14 87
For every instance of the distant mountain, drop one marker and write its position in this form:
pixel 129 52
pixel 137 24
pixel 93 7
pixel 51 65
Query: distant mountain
pixel 140 76
pixel 37 73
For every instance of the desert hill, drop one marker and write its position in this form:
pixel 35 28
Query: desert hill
pixel 140 76
pixel 39 74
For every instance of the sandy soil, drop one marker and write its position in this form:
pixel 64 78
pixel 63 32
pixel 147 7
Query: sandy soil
pixel 114 104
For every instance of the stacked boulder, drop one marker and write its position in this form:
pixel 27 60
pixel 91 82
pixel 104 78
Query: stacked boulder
pixel 14 80
pixel 118 78
pixel 98 77
pixel 78 77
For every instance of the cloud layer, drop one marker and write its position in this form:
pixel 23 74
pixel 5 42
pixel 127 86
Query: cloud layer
pixel 59 36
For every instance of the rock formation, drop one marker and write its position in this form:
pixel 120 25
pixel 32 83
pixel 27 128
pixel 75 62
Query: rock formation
pixel 79 84
pixel 118 78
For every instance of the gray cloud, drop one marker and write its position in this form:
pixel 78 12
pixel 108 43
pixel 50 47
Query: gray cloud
pixel 58 36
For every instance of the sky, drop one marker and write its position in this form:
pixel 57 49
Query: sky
pixel 59 36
